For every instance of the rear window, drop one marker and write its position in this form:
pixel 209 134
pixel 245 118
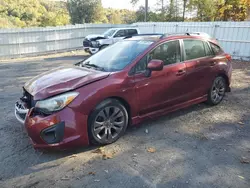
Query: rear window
pixel 132 32
pixel 216 49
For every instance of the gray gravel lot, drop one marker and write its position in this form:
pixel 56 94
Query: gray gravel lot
pixel 200 146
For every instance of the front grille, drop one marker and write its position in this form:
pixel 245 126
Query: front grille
pixel 87 43
pixel 27 98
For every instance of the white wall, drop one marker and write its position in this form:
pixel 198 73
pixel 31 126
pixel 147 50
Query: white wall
pixel 21 42
pixel 234 37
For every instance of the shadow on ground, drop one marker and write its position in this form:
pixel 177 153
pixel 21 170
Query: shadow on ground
pixel 199 146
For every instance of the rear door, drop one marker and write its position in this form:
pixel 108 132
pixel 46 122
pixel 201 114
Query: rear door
pixel 163 88
pixel 132 32
pixel 199 62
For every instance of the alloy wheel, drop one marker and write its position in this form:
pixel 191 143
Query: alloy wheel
pixel 109 123
pixel 218 90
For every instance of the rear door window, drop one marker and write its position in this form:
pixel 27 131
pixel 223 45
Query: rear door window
pixel 121 33
pixel 194 49
pixel 132 32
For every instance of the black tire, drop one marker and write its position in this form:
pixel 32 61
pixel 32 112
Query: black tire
pixel 217 91
pixel 110 124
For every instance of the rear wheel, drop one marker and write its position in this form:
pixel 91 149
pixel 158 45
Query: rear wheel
pixel 217 91
pixel 107 122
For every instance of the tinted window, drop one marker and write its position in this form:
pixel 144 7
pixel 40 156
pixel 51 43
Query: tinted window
pixel 194 49
pixel 132 32
pixel 121 33
pixel 168 52
pixel 118 55
pixel 142 64
pixel 216 49
pixel 207 49
pixel 109 32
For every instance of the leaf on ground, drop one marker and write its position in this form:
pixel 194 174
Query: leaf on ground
pixel 241 177
pixel 241 123
pixel 73 156
pixel 244 160
pixel 99 150
pixel 107 156
pixel 151 150
pixel 92 173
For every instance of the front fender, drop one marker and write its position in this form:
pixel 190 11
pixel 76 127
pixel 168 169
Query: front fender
pixel 93 94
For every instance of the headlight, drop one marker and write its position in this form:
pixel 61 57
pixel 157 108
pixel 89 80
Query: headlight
pixel 55 103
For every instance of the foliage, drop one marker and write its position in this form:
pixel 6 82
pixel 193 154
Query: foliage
pixel 28 13
pixel 23 13
pixel 85 11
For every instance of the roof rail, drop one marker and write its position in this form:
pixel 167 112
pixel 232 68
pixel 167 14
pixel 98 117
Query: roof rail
pixel 146 34
pixel 187 33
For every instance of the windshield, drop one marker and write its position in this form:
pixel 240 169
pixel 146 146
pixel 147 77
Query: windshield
pixel 117 56
pixel 109 32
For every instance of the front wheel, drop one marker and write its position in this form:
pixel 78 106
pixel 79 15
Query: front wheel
pixel 107 122
pixel 217 91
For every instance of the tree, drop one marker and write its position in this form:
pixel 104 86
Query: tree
pixel 184 9
pixel 235 10
pixel 85 11
pixel 205 9
pixel 26 13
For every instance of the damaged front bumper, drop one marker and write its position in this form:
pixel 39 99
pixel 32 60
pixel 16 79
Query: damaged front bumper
pixel 20 112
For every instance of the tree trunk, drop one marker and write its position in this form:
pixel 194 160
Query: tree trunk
pixel 248 14
pixel 184 9
pixel 146 10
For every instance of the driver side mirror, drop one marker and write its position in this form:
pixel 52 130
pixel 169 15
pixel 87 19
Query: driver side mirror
pixel 154 65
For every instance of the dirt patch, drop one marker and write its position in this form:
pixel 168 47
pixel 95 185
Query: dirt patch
pixel 200 146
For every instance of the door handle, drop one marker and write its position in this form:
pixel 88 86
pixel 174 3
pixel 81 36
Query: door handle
pixel 180 72
pixel 213 63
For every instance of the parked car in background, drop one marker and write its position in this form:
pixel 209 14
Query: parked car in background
pixel 94 43
pixel 130 81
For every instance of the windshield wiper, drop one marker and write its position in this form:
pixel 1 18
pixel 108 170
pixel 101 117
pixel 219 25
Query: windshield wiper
pixel 93 66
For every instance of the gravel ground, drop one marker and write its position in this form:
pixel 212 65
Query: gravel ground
pixel 199 146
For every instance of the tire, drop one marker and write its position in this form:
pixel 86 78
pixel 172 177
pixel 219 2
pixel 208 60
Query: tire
pixel 107 122
pixel 217 91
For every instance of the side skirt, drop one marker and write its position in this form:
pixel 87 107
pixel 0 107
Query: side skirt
pixel 161 112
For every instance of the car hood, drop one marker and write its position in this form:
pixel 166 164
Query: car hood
pixel 61 80
pixel 95 37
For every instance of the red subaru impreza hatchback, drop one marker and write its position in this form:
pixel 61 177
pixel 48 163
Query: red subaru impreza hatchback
pixel 124 84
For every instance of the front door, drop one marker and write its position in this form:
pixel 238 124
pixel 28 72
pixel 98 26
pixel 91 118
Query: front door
pixel 163 88
pixel 119 35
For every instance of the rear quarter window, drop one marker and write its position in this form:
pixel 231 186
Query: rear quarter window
pixel 216 49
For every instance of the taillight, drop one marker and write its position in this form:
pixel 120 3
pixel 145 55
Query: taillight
pixel 228 56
